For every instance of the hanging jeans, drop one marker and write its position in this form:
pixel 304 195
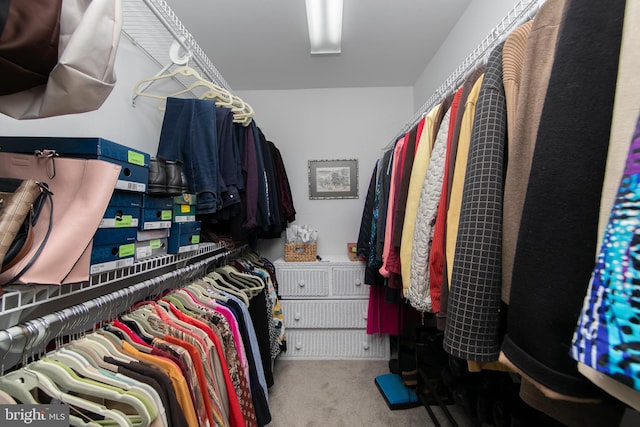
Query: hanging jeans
pixel 189 135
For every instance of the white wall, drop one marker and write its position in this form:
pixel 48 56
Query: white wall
pixel 480 17
pixel 319 124
pixel 117 119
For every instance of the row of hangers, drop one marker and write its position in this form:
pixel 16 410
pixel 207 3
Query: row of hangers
pixel 242 111
pixel 75 372
pixel 522 12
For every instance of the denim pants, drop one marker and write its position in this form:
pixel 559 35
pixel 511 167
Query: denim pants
pixel 189 135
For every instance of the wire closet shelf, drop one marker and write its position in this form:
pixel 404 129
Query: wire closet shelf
pixel 520 13
pixel 154 27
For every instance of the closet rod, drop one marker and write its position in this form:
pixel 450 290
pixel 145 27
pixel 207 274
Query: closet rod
pixel 31 338
pixel 167 17
pixel 520 13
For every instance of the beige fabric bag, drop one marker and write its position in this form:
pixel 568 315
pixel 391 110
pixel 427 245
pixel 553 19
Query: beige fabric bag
pixel 84 76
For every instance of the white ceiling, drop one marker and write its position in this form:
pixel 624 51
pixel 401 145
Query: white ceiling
pixel 263 44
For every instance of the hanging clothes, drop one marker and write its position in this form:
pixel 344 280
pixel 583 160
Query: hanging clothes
pixel 418 291
pixel 436 255
pixel 365 245
pixel 473 316
pixel 625 111
pixel 560 213
pixel 188 359
pixel 189 135
pixel 536 69
pixel 419 170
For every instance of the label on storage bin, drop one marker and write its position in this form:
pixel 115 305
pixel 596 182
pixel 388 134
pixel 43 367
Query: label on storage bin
pixel 185 208
pixel 143 252
pixel 155 244
pixel 124 221
pixel 166 215
pixel 187 248
pixel 127 250
pixel 154 225
pixel 111 265
pixel 117 223
pixel 135 158
pixel 131 186
pixel 195 239
pixel 184 218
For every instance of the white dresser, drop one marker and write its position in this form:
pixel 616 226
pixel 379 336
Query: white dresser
pixel 324 304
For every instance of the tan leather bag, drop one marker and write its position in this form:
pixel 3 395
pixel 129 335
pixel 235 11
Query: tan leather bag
pixel 84 76
pixel 81 191
pixel 18 210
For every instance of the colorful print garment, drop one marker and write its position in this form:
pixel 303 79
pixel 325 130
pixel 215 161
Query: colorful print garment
pixel 607 337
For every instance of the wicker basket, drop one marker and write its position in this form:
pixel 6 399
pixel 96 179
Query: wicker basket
pixel 299 252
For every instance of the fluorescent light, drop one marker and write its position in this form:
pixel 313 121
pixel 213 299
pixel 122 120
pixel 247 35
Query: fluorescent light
pixel 325 25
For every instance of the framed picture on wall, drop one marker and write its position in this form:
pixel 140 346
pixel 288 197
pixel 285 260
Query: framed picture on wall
pixel 333 179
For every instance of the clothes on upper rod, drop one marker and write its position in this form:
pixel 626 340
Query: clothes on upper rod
pixel 237 174
pixel 522 12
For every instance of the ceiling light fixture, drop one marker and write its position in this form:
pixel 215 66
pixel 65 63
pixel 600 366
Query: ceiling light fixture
pixel 324 18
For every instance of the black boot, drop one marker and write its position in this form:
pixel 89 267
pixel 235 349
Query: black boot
pixel 157 176
pixel 185 184
pixel 174 178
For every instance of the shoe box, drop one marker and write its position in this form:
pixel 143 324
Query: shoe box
pixel 151 243
pixel 184 237
pixel 149 248
pixel 184 208
pixel 157 212
pixel 123 210
pixel 113 248
pixel 114 241
pixel 134 173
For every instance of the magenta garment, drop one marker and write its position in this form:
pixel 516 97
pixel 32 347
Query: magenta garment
pixel 382 318
pixel 396 171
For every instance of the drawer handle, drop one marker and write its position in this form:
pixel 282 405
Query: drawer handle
pixel 298 346
pixel 297 316
pixel 365 346
pixel 301 283
pixel 364 316
pixel 358 283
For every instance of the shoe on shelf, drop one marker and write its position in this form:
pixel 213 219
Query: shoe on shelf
pixel 157 177
pixel 174 177
pixel 185 184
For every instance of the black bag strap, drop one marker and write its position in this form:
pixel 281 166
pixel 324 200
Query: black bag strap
pixel 48 196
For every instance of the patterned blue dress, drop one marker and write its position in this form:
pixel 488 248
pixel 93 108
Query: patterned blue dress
pixel 607 337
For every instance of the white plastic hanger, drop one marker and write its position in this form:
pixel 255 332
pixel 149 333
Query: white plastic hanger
pixel 219 282
pixel 65 378
pixel 183 70
pixel 20 384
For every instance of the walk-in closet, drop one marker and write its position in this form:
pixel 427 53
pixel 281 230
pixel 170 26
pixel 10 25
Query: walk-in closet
pixel 405 213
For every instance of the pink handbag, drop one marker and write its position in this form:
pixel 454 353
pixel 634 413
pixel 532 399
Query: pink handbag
pixel 81 191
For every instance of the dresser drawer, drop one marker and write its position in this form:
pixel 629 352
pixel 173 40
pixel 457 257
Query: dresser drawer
pixel 325 314
pixel 303 283
pixel 349 282
pixel 335 344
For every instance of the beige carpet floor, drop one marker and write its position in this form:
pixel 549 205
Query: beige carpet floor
pixel 327 393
